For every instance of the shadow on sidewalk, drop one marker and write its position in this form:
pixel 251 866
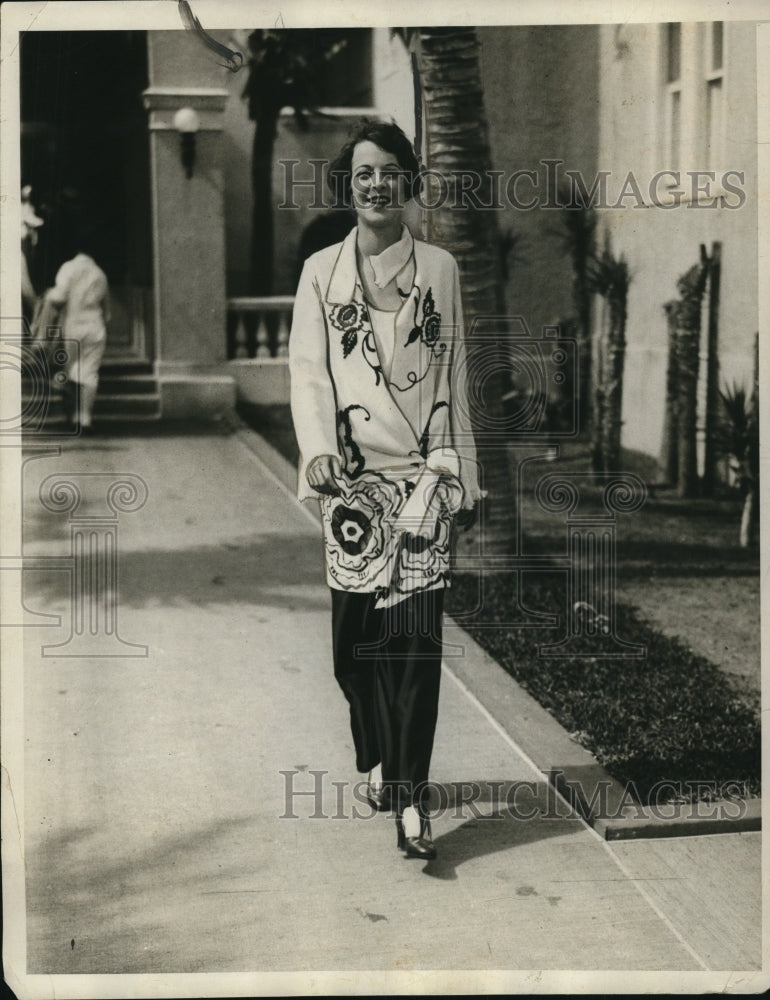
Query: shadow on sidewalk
pixel 498 816
pixel 274 570
pixel 116 906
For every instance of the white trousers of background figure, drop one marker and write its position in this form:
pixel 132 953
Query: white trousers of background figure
pixel 83 367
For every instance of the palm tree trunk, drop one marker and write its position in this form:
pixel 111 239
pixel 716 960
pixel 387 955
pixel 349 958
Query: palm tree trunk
pixel 457 141
pixel 582 299
pixel 686 319
pixel 687 343
pixel 261 276
pixel 712 371
pixel 597 387
pixel 750 513
pixel 669 454
pixel 613 385
pixel 579 240
pixel 610 279
pixel 749 519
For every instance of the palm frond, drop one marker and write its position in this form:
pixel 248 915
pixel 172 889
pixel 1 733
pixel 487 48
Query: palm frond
pixel 609 275
pixel 734 430
pixel 407 35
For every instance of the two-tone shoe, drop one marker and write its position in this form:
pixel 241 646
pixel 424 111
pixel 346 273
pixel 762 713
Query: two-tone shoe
pixel 377 794
pixel 421 847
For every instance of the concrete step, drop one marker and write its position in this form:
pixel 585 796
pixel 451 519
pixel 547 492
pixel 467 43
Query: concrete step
pixel 125 401
pixel 114 385
pixel 128 366
pixel 127 405
pixel 54 420
pixel 128 392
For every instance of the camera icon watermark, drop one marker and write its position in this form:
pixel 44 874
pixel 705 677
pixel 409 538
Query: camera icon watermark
pixel 41 367
pixel 515 387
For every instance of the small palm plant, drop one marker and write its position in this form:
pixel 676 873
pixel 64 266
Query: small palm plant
pixel 738 441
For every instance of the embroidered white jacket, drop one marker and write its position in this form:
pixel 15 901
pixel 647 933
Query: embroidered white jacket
pixel 405 442
pixel 341 402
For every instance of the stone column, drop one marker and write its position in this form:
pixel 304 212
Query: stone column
pixel 188 224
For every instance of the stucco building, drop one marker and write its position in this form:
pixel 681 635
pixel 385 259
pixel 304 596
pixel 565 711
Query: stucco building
pixel 680 98
pixel 602 102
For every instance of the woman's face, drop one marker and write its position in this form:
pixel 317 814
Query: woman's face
pixel 378 185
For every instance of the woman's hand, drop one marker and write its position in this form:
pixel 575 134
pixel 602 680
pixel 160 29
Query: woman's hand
pixel 467 517
pixel 322 473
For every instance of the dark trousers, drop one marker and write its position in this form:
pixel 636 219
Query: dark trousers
pixel 388 664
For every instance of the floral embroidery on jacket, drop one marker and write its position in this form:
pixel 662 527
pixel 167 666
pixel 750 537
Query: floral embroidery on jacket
pixel 371 357
pixel 343 421
pixel 425 439
pixel 357 532
pixel 365 552
pixel 352 318
pixel 351 528
pixel 429 329
pixel 349 318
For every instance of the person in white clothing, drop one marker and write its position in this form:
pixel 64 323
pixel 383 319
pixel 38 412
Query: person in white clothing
pixel 81 288
pixel 30 223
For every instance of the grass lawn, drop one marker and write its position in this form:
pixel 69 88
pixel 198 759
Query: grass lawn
pixel 686 711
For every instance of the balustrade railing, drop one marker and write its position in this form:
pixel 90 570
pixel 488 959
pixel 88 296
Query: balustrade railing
pixel 259 327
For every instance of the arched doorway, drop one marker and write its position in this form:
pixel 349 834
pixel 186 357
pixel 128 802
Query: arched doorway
pixel 85 151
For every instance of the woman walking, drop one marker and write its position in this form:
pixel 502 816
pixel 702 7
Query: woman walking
pixel 380 411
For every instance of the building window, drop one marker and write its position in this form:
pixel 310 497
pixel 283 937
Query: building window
pixel 673 95
pixel 713 131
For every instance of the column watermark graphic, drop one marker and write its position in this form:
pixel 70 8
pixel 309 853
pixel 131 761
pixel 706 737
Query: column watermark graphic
pixel 591 560
pixel 93 502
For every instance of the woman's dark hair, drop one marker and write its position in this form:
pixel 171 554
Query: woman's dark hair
pixel 387 136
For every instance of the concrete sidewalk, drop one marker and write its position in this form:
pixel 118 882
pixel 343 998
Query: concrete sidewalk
pixel 158 787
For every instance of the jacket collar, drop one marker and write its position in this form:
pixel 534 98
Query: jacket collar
pixel 393 259
pixel 396 261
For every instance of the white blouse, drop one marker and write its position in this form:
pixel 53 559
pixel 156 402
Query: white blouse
pixel 384 330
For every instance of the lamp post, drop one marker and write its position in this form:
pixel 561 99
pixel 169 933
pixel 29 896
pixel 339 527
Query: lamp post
pixel 187 123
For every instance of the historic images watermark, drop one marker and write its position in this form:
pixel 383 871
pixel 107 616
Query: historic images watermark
pixel 310 794
pixel 526 189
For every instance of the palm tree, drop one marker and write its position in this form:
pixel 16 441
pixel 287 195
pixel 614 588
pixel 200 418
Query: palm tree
pixel 285 70
pixel 457 141
pixel 684 319
pixel 738 440
pixel 578 239
pixel 451 95
pixel 610 278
